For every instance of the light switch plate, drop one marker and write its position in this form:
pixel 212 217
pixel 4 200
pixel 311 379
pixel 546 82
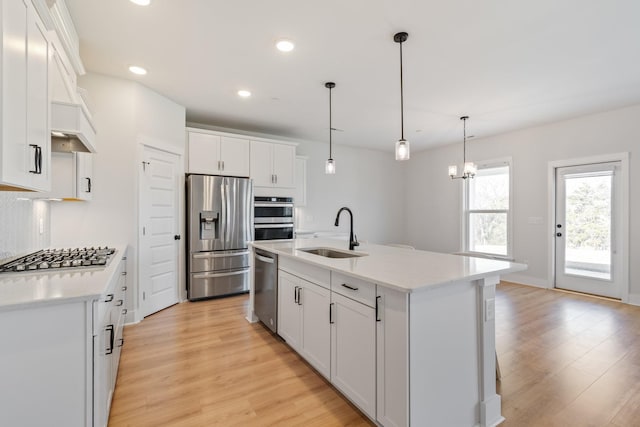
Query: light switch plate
pixel 490 309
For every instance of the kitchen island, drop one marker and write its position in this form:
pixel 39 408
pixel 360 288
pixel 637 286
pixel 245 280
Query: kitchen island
pixel 408 336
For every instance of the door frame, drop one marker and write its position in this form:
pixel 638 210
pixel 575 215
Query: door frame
pixel 161 145
pixel 623 158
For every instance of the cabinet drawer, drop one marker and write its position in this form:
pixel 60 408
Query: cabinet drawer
pixel 356 289
pixel 317 275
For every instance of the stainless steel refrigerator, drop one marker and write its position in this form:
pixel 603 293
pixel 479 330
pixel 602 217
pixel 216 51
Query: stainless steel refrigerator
pixel 219 228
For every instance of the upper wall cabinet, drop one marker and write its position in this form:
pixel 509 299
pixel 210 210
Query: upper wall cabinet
pixel 72 176
pixel 25 144
pixel 273 165
pixel 215 154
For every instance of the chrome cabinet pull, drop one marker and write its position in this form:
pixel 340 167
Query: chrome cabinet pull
pixel 124 288
pixel 119 303
pixel 109 298
pixel 349 287
pixel 121 342
pixel 331 313
pixel 88 185
pixel 378 319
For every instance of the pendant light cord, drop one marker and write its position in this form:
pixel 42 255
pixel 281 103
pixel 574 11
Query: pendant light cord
pixel 330 126
pixel 401 98
pixel 464 141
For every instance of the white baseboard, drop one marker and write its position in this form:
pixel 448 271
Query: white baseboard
pixel 526 280
pixel 634 299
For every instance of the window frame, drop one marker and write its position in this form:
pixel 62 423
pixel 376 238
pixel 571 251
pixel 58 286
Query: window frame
pixel 466 212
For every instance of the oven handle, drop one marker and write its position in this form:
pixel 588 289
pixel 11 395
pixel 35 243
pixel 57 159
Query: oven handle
pixel 273 205
pixel 288 225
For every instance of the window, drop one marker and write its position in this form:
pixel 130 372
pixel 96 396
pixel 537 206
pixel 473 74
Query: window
pixel 487 218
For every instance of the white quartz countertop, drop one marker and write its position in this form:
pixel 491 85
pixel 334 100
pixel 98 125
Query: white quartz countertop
pixel 402 269
pixel 18 290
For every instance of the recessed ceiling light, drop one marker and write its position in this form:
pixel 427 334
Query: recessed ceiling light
pixel 285 45
pixel 137 70
pixel 244 93
pixel 141 2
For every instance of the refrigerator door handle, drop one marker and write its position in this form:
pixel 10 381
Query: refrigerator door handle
pixel 219 255
pixel 230 273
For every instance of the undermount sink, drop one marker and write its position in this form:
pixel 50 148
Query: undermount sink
pixel 332 253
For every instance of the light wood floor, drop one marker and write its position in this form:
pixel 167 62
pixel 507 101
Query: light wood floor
pixel 566 360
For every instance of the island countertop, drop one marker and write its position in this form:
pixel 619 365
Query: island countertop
pixel 403 269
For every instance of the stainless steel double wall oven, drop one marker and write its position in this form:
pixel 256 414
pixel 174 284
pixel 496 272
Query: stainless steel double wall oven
pixel 273 218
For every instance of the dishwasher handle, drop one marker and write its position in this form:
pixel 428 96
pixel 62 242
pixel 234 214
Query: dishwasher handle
pixel 265 259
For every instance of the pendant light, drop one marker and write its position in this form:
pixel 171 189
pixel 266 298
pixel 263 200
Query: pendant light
pixel 470 168
pixel 330 166
pixel 402 146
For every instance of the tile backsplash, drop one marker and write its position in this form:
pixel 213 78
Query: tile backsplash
pixel 24 224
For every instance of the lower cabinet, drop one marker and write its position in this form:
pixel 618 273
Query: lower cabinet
pixel 334 333
pixel 108 342
pixel 353 355
pixel 303 319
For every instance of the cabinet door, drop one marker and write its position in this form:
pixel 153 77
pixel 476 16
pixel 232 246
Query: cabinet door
pixel 289 322
pixel 316 330
pixel 284 165
pixel 84 175
pixel 14 95
pixel 392 358
pixel 38 132
pixel 353 352
pixel 204 153
pixel 262 164
pixel 234 154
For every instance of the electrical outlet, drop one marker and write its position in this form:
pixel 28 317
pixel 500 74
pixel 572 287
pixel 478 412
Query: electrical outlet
pixel 490 309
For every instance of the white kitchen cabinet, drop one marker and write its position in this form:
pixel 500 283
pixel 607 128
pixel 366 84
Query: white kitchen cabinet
pixel 316 331
pixel 273 165
pixel 109 314
pixel 303 319
pixel 353 351
pixel 25 144
pixel 215 154
pixel 392 357
pixel 72 176
pixel 289 324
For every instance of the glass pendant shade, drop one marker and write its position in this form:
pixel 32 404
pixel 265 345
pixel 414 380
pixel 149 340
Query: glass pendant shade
pixel 330 167
pixel 469 168
pixel 402 150
pixel 453 171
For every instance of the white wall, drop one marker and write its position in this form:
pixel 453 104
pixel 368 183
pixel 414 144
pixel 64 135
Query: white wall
pixel 433 200
pixel 20 218
pixel 368 182
pixel 124 112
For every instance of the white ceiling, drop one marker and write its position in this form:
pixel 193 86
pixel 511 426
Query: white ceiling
pixel 507 64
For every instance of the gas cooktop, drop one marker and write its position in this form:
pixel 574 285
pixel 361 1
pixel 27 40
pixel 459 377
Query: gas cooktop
pixel 54 259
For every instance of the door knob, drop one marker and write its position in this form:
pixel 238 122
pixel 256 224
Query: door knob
pixel 176 237
pixel 559 234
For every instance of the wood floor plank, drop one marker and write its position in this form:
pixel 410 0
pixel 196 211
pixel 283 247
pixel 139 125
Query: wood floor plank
pixel 566 360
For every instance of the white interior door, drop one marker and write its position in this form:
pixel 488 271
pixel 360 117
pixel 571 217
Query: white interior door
pixel 588 229
pixel 159 223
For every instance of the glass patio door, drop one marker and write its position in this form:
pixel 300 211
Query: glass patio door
pixel 586 229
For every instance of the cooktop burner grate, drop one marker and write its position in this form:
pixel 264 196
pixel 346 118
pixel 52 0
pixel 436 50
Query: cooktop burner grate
pixel 59 259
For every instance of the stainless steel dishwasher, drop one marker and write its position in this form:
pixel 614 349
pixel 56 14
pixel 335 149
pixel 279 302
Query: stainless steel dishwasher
pixel 265 303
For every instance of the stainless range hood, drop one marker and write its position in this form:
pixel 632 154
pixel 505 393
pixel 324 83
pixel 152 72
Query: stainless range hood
pixel 71 128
